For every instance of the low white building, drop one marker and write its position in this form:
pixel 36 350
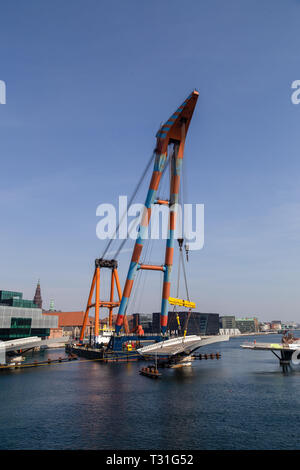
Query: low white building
pixel 230 331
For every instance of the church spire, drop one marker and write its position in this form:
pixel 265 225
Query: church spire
pixel 37 296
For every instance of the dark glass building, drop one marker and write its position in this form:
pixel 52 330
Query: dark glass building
pixel 247 325
pixel 144 320
pixel 227 322
pixel 198 324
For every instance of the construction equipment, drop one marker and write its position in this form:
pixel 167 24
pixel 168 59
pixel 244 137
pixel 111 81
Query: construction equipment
pixel 101 263
pixel 169 152
pixel 172 133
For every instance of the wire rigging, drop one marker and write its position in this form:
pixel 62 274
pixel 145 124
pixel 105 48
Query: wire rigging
pixel 130 202
pixel 121 246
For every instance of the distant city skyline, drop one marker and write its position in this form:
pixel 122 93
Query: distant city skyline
pixel 87 86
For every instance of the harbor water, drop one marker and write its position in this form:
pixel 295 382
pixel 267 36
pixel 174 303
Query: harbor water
pixel 241 401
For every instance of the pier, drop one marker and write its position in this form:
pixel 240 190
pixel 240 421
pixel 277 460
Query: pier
pixel 282 351
pixel 19 365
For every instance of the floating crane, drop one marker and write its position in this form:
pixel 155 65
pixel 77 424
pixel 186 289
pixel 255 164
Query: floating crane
pixel 172 132
pixel 169 150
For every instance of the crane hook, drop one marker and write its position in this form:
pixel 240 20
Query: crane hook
pixel 187 249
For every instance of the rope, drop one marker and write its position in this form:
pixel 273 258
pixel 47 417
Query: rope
pixel 185 278
pixel 130 202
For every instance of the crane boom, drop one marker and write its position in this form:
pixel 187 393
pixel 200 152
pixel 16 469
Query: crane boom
pixel 174 132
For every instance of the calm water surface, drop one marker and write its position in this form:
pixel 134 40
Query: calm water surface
pixel 242 401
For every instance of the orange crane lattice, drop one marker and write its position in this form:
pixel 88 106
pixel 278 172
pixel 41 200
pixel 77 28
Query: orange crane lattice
pixel 101 263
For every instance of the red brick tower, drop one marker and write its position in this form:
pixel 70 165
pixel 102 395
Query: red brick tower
pixel 37 296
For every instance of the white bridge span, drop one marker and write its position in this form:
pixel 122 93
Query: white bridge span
pixel 27 343
pixel 181 345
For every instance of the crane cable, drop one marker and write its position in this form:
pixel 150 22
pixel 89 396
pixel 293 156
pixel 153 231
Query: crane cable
pixel 130 202
pixel 182 197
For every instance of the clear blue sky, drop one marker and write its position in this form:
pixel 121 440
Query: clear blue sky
pixel 88 83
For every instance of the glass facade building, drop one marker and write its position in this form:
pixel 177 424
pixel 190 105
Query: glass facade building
pixel 227 322
pixel 21 318
pixel 247 325
pixel 199 323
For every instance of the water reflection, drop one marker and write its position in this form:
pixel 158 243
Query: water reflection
pixel 240 401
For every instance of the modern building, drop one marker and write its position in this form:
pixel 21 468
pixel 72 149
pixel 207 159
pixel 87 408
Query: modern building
pixel 20 318
pixel 227 322
pixel 247 325
pixel 198 324
pixel 144 320
pixel 15 299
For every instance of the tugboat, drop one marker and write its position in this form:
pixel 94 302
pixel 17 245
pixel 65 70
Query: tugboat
pixel 150 371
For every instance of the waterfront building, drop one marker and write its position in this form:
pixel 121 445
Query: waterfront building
pixel 71 322
pixel 20 318
pixel 230 331
pixel 247 325
pixel 290 325
pixel 199 323
pixel 144 320
pixel 264 327
pixel 227 322
pixel 15 299
pixel 276 325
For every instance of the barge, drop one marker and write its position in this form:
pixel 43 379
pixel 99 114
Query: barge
pixel 122 348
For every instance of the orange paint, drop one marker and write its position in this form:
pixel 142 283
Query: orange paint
pixel 146 217
pixel 128 287
pixel 161 201
pixel 176 184
pixel 110 304
pixel 86 315
pixel 169 256
pixel 166 290
pixel 112 285
pixel 136 253
pixel 155 180
pixel 97 301
pixel 151 267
